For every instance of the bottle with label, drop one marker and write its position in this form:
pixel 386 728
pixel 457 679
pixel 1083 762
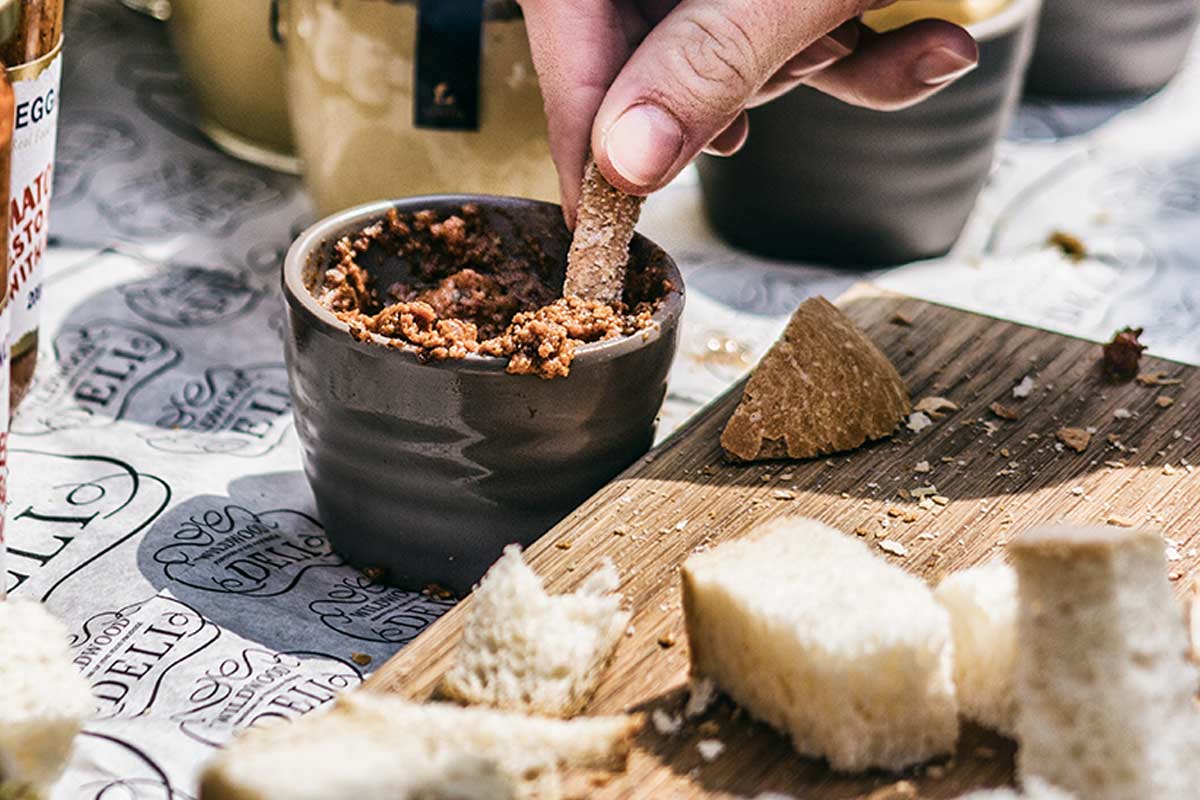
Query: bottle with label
pixel 32 54
pixel 10 13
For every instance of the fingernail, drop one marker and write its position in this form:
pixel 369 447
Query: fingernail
pixel 942 65
pixel 643 144
pixel 824 52
pixel 845 37
pixel 832 47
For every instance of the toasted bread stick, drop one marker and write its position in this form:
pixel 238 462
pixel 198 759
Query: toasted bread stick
pixel 600 248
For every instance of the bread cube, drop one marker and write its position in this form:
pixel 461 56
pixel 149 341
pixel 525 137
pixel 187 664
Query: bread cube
pixel 1106 692
pixel 982 603
pixel 815 635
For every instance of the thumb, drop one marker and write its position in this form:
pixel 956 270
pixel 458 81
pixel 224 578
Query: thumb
pixel 578 48
pixel 692 75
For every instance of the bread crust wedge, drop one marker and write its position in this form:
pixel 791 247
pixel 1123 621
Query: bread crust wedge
pixel 823 388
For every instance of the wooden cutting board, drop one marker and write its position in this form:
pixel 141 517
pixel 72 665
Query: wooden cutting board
pixel 994 478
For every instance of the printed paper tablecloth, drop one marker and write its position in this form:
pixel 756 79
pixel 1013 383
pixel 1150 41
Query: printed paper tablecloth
pixel 157 501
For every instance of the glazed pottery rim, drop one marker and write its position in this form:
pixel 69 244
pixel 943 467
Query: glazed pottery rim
pixel 321 232
pixel 1012 16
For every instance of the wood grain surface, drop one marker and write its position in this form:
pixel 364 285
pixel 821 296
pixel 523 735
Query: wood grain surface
pixel 994 477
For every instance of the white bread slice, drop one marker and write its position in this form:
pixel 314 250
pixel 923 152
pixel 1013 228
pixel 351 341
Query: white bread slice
pixel 525 650
pixel 1035 789
pixel 347 756
pixel 43 699
pixel 380 747
pixel 982 603
pixel 1106 693
pixel 810 632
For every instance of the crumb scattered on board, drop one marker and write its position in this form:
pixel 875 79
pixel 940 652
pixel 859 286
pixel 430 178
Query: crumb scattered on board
pixel 1075 438
pixel 935 406
pixel 1157 379
pixel 666 724
pixel 902 790
pixel 1121 355
pixel 710 749
pixel 1004 412
pixel 917 421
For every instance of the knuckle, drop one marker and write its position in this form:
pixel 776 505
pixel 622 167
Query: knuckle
pixel 718 50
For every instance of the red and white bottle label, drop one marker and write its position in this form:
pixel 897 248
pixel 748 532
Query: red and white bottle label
pixel 5 322
pixel 35 131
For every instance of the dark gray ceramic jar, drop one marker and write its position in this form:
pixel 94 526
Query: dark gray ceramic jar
pixel 426 470
pixel 1097 48
pixel 820 180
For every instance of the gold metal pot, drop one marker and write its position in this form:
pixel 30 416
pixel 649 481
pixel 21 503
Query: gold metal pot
pixel 236 72
pixel 354 96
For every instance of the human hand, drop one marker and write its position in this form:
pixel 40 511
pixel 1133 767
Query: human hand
pixel 649 84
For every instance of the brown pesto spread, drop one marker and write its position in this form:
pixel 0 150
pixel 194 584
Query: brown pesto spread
pixel 468 292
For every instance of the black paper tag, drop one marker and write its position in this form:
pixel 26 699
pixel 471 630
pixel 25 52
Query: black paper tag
pixel 449 34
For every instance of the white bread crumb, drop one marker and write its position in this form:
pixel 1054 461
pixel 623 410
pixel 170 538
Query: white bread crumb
pixel 666 724
pixel 710 749
pixel 918 421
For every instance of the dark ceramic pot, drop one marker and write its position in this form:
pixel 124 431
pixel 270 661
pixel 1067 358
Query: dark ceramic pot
pixel 820 180
pixel 1097 48
pixel 426 470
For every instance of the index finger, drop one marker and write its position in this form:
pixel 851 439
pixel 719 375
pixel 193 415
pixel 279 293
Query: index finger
pixel 578 47
pixel 691 77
